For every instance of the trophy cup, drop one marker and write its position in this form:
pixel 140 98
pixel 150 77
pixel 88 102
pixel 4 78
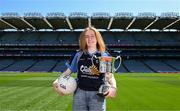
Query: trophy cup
pixel 106 65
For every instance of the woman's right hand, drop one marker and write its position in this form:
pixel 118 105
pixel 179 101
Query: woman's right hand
pixel 55 87
pixel 55 83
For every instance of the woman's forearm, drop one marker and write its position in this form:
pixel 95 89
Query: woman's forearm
pixel 112 82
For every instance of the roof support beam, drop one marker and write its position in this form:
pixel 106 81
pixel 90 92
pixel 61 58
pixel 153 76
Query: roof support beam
pixel 89 21
pixel 109 26
pixel 28 23
pixel 130 23
pixel 8 24
pixel 48 23
pixel 69 23
pixel 151 23
pixel 171 24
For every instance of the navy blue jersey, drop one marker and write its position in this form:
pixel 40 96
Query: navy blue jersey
pixel 82 64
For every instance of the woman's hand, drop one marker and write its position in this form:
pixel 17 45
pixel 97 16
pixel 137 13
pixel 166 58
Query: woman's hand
pixel 112 92
pixel 55 87
pixel 108 75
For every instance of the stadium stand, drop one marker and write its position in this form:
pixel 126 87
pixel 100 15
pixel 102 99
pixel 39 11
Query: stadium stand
pixel 10 38
pixel 146 42
pixel 42 66
pixel 20 65
pixel 173 63
pixel 4 63
pixel 137 66
pixel 60 66
pixel 159 66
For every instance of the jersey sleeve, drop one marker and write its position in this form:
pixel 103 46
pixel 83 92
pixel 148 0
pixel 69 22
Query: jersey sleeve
pixel 73 65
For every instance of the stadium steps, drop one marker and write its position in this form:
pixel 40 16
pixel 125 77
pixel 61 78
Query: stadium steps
pixel 173 63
pixel 26 70
pixel 159 66
pixel 122 69
pixel 43 65
pixel 125 67
pixel 60 67
pixel 147 66
pixel 20 65
pixel 5 63
pixel 51 70
pixel 136 66
pixel 34 61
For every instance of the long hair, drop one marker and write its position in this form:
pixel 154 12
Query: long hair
pixel 100 42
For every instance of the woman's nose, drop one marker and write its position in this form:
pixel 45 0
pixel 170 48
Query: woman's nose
pixel 90 38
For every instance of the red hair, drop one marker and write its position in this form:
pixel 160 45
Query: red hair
pixel 100 42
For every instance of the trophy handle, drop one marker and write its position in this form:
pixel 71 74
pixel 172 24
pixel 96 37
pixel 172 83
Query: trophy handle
pixel 120 60
pixel 94 56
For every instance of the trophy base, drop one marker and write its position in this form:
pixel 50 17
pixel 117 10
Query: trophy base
pixel 103 90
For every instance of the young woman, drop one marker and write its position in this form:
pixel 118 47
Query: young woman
pixel 89 79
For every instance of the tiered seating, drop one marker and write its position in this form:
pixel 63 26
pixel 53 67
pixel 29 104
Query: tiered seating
pixel 164 39
pixel 10 38
pixel 144 39
pixel 175 37
pixel 173 63
pixel 60 66
pixel 68 38
pixel 29 38
pixel 124 38
pixel 108 38
pixel 130 65
pixel 20 65
pixel 48 38
pixel 159 66
pixel 122 68
pixel 133 45
pixel 136 66
pixel 5 63
pixel 43 66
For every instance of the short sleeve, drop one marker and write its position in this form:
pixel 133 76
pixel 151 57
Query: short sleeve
pixel 73 65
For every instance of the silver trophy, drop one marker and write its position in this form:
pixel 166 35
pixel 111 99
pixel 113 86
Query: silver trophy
pixel 106 65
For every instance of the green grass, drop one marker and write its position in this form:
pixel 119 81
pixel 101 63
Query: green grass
pixel 136 91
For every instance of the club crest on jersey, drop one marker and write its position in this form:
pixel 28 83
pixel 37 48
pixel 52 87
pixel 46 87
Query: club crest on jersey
pixel 85 69
pixel 89 70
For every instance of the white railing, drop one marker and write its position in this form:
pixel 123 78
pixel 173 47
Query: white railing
pixel 33 14
pixel 10 14
pixel 147 14
pixel 101 14
pixel 170 14
pixel 123 14
pixel 56 14
pixel 78 14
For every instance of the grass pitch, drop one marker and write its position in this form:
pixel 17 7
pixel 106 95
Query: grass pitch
pixel 136 92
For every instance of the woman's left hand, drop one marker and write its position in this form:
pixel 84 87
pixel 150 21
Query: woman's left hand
pixel 108 75
pixel 112 92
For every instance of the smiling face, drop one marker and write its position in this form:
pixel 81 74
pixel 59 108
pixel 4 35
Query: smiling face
pixel 90 39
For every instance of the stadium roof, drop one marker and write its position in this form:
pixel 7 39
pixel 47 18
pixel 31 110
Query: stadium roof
pixel 123 21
